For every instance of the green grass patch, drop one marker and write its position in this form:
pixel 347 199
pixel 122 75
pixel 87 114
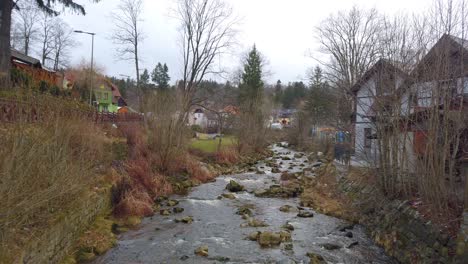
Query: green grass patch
pixel 211 145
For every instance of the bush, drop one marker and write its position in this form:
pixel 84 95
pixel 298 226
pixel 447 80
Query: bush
pixel 196 128
pixel 20 78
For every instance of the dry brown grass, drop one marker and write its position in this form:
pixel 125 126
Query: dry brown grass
pixel 43 168
pixel 227 156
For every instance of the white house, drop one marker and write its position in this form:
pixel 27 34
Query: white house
pixel 372 93
pixel 198 117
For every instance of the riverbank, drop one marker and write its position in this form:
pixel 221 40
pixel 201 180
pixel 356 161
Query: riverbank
pixel 395 225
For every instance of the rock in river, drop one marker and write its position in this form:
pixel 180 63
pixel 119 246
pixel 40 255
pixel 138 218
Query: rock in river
pixel 315 258
pixel 172 203
pixel 305 214
pixel 269 239
pixel 177 210
pixel 233 186
pixel 185 220
pixel 164 212
pixel 202 251
pixel 288 208
pixel 228 196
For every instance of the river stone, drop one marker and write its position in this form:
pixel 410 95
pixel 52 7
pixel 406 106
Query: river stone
pixel 202 251
pixel 177 210
pixel 269 239
pixel 244 210
pixel 305 214
pixel 160 199
pixel 185 220
pixel 172 203
pixel 233 186
pixel 285 158
pixel 164 212
pixel 329 246
pixel 288 246
pixel 315 258
pixel 252 222
pixel 228 196
pixel 288 226
pixel 285 236
pixel 254 235
pixel 260 172
pixel 287 208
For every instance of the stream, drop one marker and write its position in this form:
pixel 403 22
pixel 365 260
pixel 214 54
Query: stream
pixel 160 239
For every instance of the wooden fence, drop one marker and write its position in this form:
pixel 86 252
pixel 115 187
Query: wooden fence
pixel 12 111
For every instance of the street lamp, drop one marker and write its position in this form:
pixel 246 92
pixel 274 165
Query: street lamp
pixel 92 62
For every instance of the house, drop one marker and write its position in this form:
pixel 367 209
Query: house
pixel 108 97
pixel 198 118
pixel 438 85
pixel 374 93
pixel 34 68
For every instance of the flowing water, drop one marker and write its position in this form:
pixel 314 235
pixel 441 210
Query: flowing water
pixel 216 225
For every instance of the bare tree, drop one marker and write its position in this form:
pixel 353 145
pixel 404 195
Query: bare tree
pixel 26 24
pixel 61 43
pixel 207 31
pixel 128 34
pixel 47 36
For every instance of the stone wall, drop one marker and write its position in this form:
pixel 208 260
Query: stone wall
pixel 398 227
pixel 54 242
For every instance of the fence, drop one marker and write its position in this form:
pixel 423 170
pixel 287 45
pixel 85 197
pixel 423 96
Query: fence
pixel 12 111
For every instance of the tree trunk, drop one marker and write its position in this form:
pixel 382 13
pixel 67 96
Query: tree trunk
pixel 6 7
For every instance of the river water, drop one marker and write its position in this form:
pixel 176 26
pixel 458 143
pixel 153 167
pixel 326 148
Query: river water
pixel 215 224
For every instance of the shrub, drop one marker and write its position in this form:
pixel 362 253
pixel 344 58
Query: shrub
pixel 227 156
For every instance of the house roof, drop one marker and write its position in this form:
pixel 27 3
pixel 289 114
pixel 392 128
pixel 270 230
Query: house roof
pixel 443 60
pixel 380 66
pixel 16 55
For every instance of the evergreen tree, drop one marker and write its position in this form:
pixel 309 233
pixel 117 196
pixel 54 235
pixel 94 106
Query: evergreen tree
pixel 144 78
pixel 251 87
pixel 278 92
pixel 160 76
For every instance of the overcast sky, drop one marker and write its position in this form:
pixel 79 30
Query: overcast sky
pixel 283 31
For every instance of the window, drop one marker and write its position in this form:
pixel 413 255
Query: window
pixel 367 137
pixel 99 96
pixel 106 96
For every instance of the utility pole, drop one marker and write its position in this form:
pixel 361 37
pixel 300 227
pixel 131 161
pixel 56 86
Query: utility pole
pixel 92 63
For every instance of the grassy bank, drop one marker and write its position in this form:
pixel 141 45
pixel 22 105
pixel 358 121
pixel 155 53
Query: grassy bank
pixel 211 145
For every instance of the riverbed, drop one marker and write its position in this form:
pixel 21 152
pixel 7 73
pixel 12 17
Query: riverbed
pixel 162 239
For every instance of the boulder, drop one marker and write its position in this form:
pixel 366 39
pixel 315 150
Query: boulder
pixel 288 226
pixel 330 246
pixel 228 196
pixel 202 251
pixel 172 203
pixel 254 235
pixel 233 186
pixel 315 258
pixel 164 212
pixel 285 236
pixel 287 208
pixel 244 210
pixel 177 210
pixel 269 239
pixel 252 222
pixel 185 220
pixel 288 246
pixel 305 214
